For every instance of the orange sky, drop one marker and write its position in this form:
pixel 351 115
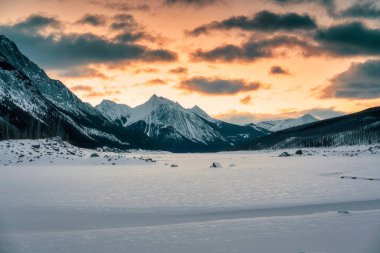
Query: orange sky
pixel 133 81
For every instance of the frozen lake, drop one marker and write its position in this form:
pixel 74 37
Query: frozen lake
pixel 257 202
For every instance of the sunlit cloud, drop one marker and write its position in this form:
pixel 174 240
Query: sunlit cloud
pixel 179 70
pixel 246 100
pixel 154 82
pixel 196 3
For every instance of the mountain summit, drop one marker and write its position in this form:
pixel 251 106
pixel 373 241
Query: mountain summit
pixel 278 125
pixel 172 127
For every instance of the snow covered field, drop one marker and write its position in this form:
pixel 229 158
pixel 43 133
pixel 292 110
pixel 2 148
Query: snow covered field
pixel 57 198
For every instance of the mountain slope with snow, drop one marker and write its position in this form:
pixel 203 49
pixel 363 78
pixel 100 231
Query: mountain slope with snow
pixel 278 125
pixel 353 129
pixel 172 127
pixel 35 106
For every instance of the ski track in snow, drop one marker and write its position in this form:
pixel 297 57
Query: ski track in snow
pixel 77 200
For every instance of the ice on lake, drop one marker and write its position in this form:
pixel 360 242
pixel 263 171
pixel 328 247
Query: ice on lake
pixel 138 202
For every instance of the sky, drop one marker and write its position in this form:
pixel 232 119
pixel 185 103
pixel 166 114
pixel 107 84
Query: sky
pixel 241 61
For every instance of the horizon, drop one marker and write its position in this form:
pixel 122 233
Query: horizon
pixel 273 60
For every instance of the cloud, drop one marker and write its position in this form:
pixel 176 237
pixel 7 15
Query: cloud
pixel 92 19
pixel 278 70
pixel 56 50
pixel 146 70
pixel 256 49
pixel 360 81
pixel 217 86
pixel 196 3
pixel 263 21
pixel 367 9
pixel 179 70
pixel 127 37
pixel 82 72
pixel 154 82
pixel 84 88
pixel 122 5
pixel 329 5
pixel 37 22
pixel 349 39
pixel 342 40
pixel 246 100
pixel 124 22
pixel 102 94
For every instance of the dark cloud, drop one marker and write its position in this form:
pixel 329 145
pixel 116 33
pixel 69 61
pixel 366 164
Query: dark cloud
pixel 197 3
pixel 122 5
pixel 37 22
pixel 92 19
pixel 217 86
pixel 264 21
pixel 127 37
pixel 82 72
pixel 179 70
pixel 124 22
pixel 360 81
pixel 329 5
pixel 256 49
pixel 366 9
pixel 278 70
pixel 349 39
pixel 66 50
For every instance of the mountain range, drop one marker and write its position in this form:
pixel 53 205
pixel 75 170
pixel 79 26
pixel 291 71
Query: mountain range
pixel 32 105
pixel 281 124
pixel 35 106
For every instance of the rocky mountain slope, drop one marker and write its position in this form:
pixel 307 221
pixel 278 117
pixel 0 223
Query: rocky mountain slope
pixel 176 128
pixel 34 106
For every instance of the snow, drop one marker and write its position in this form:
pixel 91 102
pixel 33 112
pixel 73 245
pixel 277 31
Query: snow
pixel 159 114
pixel 138 202
pixel 114 111
pixel 278 125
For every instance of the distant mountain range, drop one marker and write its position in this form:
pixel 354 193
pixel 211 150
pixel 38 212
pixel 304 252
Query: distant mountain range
pixel 353 129
pixel 278 125
pixel 34 106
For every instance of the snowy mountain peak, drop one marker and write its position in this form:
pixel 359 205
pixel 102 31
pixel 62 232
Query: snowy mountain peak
pixel 198 111
pixel 114 111
pixel 278 125
pixel 309 117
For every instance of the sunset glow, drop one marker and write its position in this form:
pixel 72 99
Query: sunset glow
pixel 241 61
